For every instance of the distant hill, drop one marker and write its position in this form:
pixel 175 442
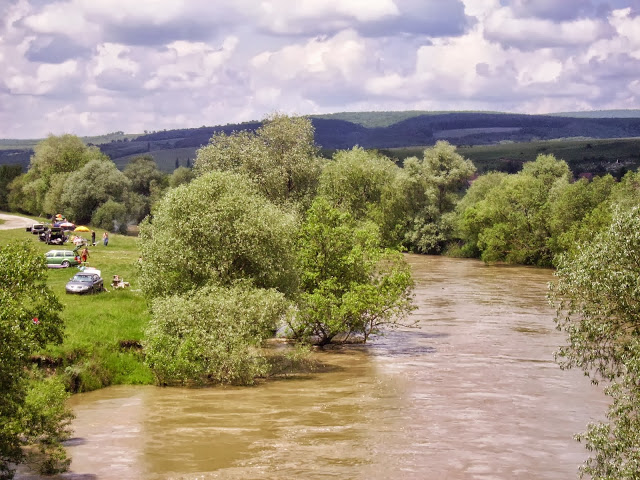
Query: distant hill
pixel 380 130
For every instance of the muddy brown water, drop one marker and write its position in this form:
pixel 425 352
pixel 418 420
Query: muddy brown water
pixel 474 393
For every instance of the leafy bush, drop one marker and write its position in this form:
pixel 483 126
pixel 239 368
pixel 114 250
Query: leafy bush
pixel 210 335
pixel 111 216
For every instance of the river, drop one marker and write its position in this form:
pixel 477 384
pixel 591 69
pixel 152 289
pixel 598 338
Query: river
pixel 473 393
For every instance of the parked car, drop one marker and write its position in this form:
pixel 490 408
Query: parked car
pixel 86 281
pixel 37 228
pixel 62 258
pixel 53 236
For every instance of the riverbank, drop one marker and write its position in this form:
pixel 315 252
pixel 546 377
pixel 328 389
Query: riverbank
pixel 103 332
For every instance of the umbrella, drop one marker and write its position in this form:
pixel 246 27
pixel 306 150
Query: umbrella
pixel 67 225
pixel 82 228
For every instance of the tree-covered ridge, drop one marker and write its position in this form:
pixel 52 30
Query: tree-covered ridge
pixel 380 130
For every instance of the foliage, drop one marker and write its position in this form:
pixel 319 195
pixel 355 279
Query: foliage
pixel 111 216
pixel 29 319
pixel 47 422
pixel 91 186
pixel 7 174
pixel 435 184
pixel 210 335
pixel 470 221
pixel 144 175
pixel 53 156
pixel 368 186
pixel 217 228
pixel 280 158
pixel 572 212
pixel 180 176
pixel 348 284
pixel 508 217
pixel 597 296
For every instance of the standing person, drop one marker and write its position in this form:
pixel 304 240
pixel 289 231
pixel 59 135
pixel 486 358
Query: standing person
pixel 105 238
pixel 84 255
pixel 93 238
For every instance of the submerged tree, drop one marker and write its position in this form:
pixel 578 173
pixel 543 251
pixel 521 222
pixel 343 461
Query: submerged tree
pixel 597 296
pixel 217 264
pixel 210 335
pixel 348 284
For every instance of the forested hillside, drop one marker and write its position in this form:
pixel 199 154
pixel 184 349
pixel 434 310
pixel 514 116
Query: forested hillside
pixel 377 130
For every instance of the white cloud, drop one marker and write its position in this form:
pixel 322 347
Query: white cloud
pixel 534 33
pixel 293 16
pixel 91 66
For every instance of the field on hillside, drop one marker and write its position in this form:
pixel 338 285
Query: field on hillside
pixel 582 155
pixel 102 331
pixel 165 159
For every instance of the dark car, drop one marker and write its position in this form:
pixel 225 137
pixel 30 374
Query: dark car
pixel 53 236
pixel 87 281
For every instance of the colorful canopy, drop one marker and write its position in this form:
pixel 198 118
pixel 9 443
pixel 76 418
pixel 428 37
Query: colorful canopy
pixel 82 228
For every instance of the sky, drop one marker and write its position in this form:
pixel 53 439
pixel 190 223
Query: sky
pixel 90 67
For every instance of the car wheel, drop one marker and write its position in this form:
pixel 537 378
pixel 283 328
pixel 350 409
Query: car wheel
pixel 65 264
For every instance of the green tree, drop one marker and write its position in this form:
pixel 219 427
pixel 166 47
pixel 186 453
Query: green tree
pixel 218 229
pixel 348 284
pixel 435 184
pixel 571 206
pixel 512 220
pixel 471 218
pixel 91 186
pixel 29 320
pixel 370 187
pixel 144 175
pixel 280 158
pixel 180 176
pixel 111 216
pixel 53 156
pixel 210 335
pixel 597 296
pixel 7 174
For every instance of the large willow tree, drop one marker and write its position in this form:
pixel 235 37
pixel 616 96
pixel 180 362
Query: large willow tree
pixel 597 296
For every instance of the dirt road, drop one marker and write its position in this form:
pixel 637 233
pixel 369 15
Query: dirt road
pixel 14 221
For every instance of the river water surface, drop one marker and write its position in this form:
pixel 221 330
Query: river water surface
pixel 473 393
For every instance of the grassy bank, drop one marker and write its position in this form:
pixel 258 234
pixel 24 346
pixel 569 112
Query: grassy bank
pixel 102 332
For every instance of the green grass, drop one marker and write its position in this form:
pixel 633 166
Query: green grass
pixel 102 331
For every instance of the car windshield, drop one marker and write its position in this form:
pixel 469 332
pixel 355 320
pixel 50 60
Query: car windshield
pixel 81 278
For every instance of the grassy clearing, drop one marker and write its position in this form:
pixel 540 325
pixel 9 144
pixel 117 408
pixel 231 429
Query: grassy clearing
pixel 102 332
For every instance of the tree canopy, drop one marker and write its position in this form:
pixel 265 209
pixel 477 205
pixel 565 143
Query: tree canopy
pixel 435 184
pixel 370 187
pixel 280 158
pixel 597 296
pixel 218 228
pixel 29 319
pixel 349 286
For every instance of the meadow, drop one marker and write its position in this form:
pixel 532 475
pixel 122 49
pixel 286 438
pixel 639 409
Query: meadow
pixel 103 332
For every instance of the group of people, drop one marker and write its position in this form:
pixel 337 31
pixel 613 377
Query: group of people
pixel 79 241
